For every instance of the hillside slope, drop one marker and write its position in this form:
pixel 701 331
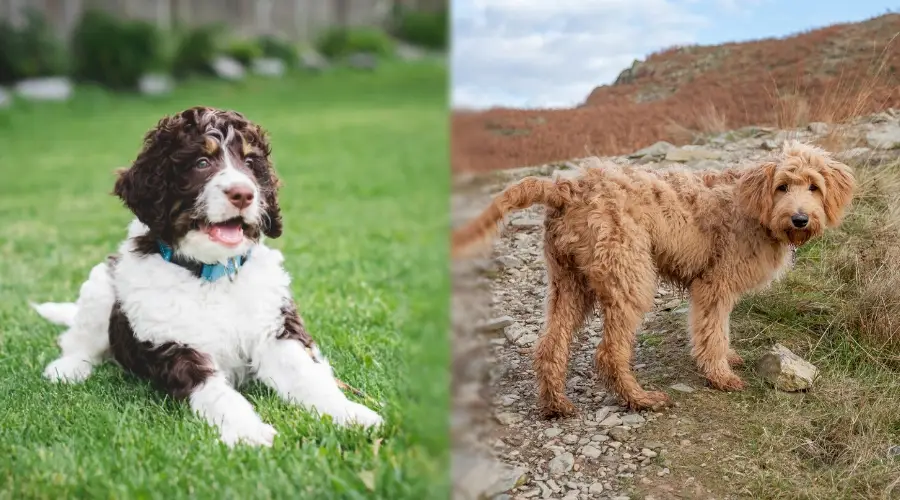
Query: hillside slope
pixel 825 75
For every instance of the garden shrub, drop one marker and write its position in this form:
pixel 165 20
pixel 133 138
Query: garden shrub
pixel 340 42
pixel 244 51
pixel 31 51
pixel 115 53
pixel 422 28
pixel 195 51
pixel 278 48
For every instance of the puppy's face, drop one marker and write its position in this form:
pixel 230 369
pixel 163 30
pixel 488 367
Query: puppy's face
pixel 203 183
pixel 800 195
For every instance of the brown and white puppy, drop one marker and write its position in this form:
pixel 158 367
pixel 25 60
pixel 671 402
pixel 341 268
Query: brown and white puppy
pixel 194 301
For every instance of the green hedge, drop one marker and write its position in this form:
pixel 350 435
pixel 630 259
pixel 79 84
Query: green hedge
pixel 244 51
pixel 425 29
pixel 195 51
pixel 115 53
pixel 279 49
pixel 31 51
pixel 341 42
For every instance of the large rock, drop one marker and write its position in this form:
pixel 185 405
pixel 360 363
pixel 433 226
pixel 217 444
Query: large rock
pixel 311 60
pixel 494 324
pixel 481 478
pixel 54 88
pixel 786 371
pixel 155 84
pixel 408 52
pixel 691 154
pixel 658 149
pixel 228 68
pixel 886 136
pixel 363 60
pixel 268 66
pixel 818 128
pixel 562 463
pixel 705 165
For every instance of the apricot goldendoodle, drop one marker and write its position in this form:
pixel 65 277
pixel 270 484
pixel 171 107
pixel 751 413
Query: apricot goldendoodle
pixel 610 233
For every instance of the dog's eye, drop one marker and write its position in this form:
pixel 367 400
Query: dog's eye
pixel 202 163
pixel 782 188
pixel 248 161
pixel 813 187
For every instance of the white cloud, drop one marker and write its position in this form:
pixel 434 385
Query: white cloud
pixel 550 53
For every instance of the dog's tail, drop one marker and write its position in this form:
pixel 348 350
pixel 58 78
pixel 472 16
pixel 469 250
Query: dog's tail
pixel 60 313
pixel 527 192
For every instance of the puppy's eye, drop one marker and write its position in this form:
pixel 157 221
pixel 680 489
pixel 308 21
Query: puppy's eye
pixel 248 161
pixel 813 187
pixel 201 164
pixel 782 188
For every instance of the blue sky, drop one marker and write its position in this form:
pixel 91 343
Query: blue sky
pixel 551 53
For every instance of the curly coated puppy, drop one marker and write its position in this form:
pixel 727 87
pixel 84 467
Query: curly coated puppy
pixel 194 301
pixel 611 233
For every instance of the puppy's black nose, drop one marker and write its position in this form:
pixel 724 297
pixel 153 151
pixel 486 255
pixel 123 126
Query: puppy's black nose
pixel 799 220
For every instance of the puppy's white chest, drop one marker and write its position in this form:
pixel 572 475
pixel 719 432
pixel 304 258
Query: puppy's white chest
pixel 224 319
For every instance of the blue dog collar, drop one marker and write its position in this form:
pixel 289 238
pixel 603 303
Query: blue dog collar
pixel 208 272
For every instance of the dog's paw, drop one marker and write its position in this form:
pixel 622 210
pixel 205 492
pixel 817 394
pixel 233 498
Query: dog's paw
pixel 68 370
pixel 652 400
pixel 726 382
pixel 253 432
pixel 734 359
pixel 559 408
pixel 356 414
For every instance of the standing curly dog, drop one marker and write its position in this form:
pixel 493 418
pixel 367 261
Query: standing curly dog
pixel 612 232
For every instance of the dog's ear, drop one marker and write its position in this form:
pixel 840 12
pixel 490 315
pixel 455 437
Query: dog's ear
pixel 839 187
pixel 143 187
pixel 269 183
pixel 272 225
pixel 754 192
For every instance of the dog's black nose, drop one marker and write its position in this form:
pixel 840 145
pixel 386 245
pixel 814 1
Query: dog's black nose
pixel 799 220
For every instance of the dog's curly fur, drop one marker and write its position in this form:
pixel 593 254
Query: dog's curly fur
pixel 162 186
pixel 612 232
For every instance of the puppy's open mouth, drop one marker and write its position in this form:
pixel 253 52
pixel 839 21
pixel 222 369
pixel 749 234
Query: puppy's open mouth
pixel 229 233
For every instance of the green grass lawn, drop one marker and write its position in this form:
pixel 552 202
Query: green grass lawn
pixel 364 159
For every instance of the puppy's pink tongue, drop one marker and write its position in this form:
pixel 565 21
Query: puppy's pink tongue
pixel 231 235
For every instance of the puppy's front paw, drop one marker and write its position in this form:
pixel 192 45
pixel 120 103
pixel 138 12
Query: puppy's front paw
pixel 249 432
pixel 68 370
pixel 357 414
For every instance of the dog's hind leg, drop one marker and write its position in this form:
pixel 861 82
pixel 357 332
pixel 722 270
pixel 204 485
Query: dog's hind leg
pixel 569 303
pixel 85 343
pixel 625 283
pixel 708 318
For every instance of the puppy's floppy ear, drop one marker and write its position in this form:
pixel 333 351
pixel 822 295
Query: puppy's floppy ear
pixel 143 186
pixel 272 224
pixel 755 190
pixel 839 187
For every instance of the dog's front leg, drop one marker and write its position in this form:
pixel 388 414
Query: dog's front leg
pixel 226 409
pixel 287 367
pixel 709 312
